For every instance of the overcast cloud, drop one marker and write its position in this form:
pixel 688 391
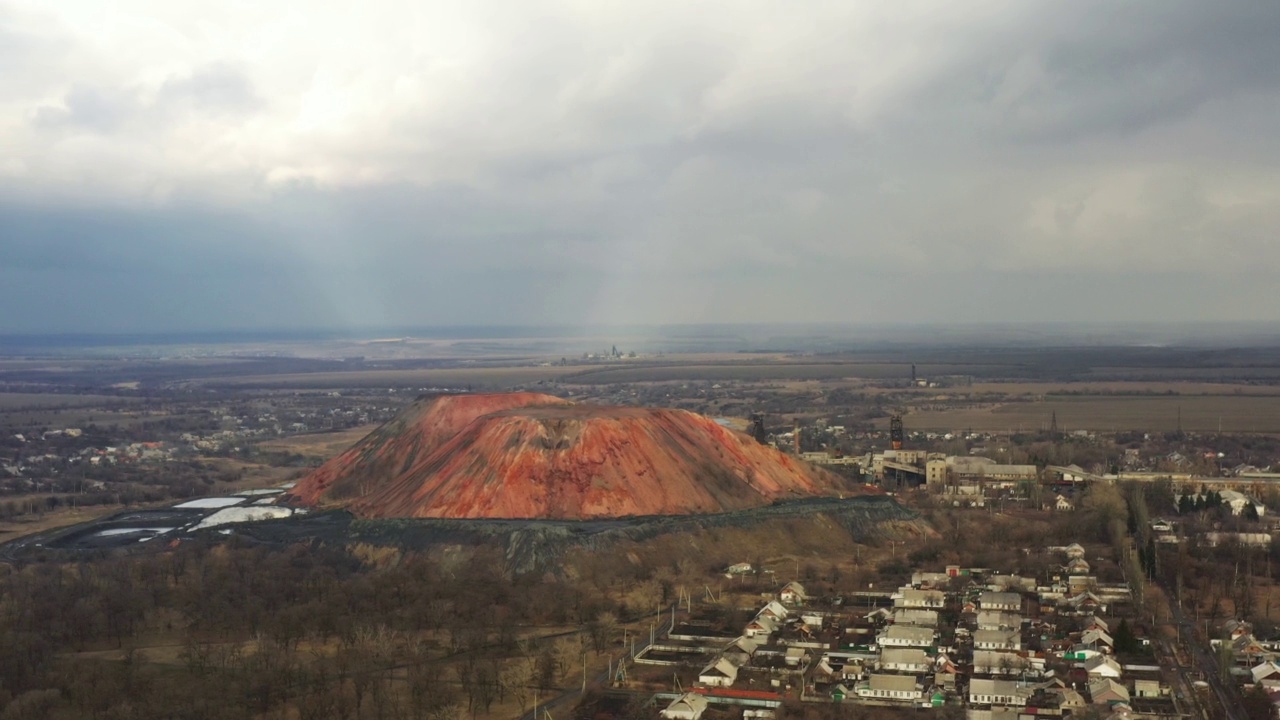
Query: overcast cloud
pixel 192 165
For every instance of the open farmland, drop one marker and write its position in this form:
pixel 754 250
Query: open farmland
pixel 480 378
pixel 772 371
pixel 317 445
pixel 1246 414
pixel 1120 388
pixel 1226 373
pixel 31 401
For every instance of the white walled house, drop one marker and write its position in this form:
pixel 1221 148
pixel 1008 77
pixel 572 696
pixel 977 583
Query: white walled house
pixel 905 660
pixel 997 640
pixel 993 662
pixel 925 599
pixel 997 692
pixel 718 673
pixel 1004 601
pixel 891 687
pixel 689 706
pixel 906 636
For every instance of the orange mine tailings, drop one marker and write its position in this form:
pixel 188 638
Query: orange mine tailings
pixel 525 455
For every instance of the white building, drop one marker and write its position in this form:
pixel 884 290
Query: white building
pixel 998 620
pixel 1002 601
pixel 993 662
pixel 793 593
pixel 924 599
pixel 906 636
pixel 718 673
pixel 997 640
pixel 689 706
pixel 913 616
pixel 1102 666
pixel 997 692
pixel 891 687
pixel 905 660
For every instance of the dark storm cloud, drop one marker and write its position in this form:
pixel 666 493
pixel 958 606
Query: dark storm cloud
pixel 537 163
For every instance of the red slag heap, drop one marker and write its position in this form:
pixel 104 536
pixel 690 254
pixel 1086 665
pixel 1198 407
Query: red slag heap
pixel 525 455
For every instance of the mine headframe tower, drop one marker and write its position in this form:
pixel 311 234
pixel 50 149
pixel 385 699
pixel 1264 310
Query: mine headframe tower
pixel 895 432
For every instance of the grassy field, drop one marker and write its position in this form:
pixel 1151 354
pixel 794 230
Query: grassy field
pixel 1207 374
pixel 1120 388
pixel 321 446
pixel 1109 413
pixel 766 371
pixel 24 401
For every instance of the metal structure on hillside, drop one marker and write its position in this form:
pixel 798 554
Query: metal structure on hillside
pixel 895 431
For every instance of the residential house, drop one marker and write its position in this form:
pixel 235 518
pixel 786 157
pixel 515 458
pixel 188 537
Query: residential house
pixel 1080 653
pixel 1011 602
pixel 923 599
pixel 998 620
pixel 688 706
pixel 1267 673
pixel 1105 691
pixel 741 651
pixel 1094 622
pixel 906 636
pixel 1148 688
pixel 997 692
pixel 992 662
pixel 928 580
pixel 793 593
pixel 905 660
pixel 1097 638
pixel 891 687
pixel 1234 628
pixel 995 713
pixel 913 616
pixel 1062 504
pixel 1238 501
pixel 1069 699
pixel 1011 583
pixel 997 640
pixel 1075 550
pixel 1077 566
pixel 1102 666
pixel 718 673
pixel 1247 649
pixel 1085 602
pixel 775 610
pixel 760 628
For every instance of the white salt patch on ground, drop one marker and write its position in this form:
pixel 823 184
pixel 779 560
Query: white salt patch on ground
pixel 243 514
pixel 124 531
pixel 209 503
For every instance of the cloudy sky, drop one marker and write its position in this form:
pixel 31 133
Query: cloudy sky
pixel 193 165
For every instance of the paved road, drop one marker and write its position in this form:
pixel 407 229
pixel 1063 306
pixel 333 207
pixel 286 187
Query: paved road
pixel 1184 696
pixel 1227 694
